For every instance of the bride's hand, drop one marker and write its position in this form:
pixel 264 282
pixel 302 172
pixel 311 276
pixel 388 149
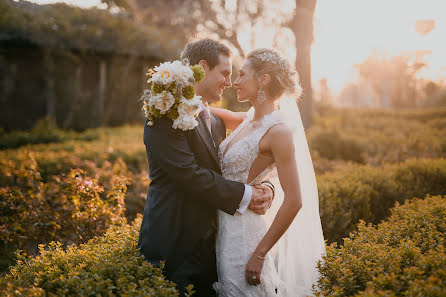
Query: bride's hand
pixel 253 270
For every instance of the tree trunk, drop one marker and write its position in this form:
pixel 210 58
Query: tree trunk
pixel 49 85
pixel 302 27
pixel 76 104
pixel 102 89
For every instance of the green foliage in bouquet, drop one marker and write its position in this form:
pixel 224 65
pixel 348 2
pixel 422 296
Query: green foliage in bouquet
pixel 105 266
pixel 367 193
pixel 198 72
pixel 404 256
pixel 157 88
pixel 188 92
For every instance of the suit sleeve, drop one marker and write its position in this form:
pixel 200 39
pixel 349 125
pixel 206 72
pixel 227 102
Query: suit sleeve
pixel 172 151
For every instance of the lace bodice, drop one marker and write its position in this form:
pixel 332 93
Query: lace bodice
pixel 236 161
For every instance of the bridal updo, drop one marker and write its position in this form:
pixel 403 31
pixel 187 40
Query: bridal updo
pixel 284 79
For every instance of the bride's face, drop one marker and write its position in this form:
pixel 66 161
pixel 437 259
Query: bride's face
pixel 246 83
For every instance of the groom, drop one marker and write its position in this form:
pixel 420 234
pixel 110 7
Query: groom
pixel 180 216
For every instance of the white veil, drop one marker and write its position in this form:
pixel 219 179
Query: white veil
pixel 298 250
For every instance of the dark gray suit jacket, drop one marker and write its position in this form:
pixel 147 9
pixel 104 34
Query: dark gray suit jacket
pixel 185 192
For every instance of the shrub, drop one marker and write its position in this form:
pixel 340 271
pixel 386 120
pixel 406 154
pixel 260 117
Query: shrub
pixel 331 144
pixel 71 207
pixel 383 136
pixel 105 266
pixel 404 256
pixel 45 131
pixel 115 152
pixel 368 193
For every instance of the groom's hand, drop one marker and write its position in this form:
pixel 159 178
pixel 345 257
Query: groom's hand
pixel 262 197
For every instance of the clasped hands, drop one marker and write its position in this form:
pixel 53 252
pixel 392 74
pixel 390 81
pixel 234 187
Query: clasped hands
pixel 262 198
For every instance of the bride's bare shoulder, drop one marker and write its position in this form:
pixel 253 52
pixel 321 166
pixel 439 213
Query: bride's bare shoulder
pixel 281 130
pixel 280 134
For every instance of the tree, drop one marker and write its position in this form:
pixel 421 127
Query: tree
pixel 225 18
pixel 393 79
pixel 302 26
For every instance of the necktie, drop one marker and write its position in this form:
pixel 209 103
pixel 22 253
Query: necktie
pixel 207 117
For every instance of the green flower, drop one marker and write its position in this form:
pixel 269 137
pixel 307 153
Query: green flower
pixel 173 114
pixel 198 72
pixel 157 88
pixel 155 112
pixel 189 92
pixel 172 87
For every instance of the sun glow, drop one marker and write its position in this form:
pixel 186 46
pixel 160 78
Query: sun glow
pixel 347 31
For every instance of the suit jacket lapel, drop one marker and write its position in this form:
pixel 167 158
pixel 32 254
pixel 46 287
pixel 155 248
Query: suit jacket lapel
pixel 206 137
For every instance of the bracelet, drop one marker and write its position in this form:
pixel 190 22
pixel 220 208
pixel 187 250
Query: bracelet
pixel 270 185
pixel 261 258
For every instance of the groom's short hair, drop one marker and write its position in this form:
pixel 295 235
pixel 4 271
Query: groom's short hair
pixel 205 49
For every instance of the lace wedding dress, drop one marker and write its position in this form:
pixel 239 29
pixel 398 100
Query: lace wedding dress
pixel 239 235
pixel 290 266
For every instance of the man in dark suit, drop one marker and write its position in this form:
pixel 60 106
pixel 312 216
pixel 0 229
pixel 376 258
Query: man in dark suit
pixel 186 190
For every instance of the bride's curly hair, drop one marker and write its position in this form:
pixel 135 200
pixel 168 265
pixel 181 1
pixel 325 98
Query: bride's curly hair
pixel 284 78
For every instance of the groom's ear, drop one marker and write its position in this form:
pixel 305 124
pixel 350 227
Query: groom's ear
pixel 204 64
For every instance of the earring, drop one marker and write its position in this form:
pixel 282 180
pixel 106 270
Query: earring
pixel 261 96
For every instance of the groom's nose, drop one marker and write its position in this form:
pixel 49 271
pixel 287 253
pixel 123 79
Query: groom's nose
pixel 228 82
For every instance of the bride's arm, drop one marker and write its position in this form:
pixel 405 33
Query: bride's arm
pixel 230 118
pixel 282 147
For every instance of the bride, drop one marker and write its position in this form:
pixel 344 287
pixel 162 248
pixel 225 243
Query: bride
pixel 275 254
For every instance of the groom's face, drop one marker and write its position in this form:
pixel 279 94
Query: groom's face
pixel 216 79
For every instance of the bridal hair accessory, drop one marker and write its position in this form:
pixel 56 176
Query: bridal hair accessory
pixel 273 59
pixel 172 94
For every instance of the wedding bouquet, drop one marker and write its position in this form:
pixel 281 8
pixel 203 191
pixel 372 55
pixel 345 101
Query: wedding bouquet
pixel 172 94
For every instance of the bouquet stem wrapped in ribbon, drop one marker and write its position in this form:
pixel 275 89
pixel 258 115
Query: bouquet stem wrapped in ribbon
pixel 172 94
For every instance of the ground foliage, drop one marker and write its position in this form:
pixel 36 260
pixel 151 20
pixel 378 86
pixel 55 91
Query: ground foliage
pixel 109 265
pixel 403 256
pixel 74 188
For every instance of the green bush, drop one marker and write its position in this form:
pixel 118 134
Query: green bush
pixel 71 207
pixel 404 256
pixel 115 152
pixel 68 27
pixel 105 266
pixel 368 193
pixel 378 136
pixel 45 131
pixel 331 144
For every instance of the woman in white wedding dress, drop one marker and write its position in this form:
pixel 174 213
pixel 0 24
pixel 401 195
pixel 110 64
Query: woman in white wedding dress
pixel 275 254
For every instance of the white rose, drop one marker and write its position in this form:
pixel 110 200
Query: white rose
pixel 190 107
pixel 162 101
pixel 185 123
pixel 164 73
pixel 183 75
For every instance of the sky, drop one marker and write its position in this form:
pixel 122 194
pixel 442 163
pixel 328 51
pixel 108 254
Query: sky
pixel 347 31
